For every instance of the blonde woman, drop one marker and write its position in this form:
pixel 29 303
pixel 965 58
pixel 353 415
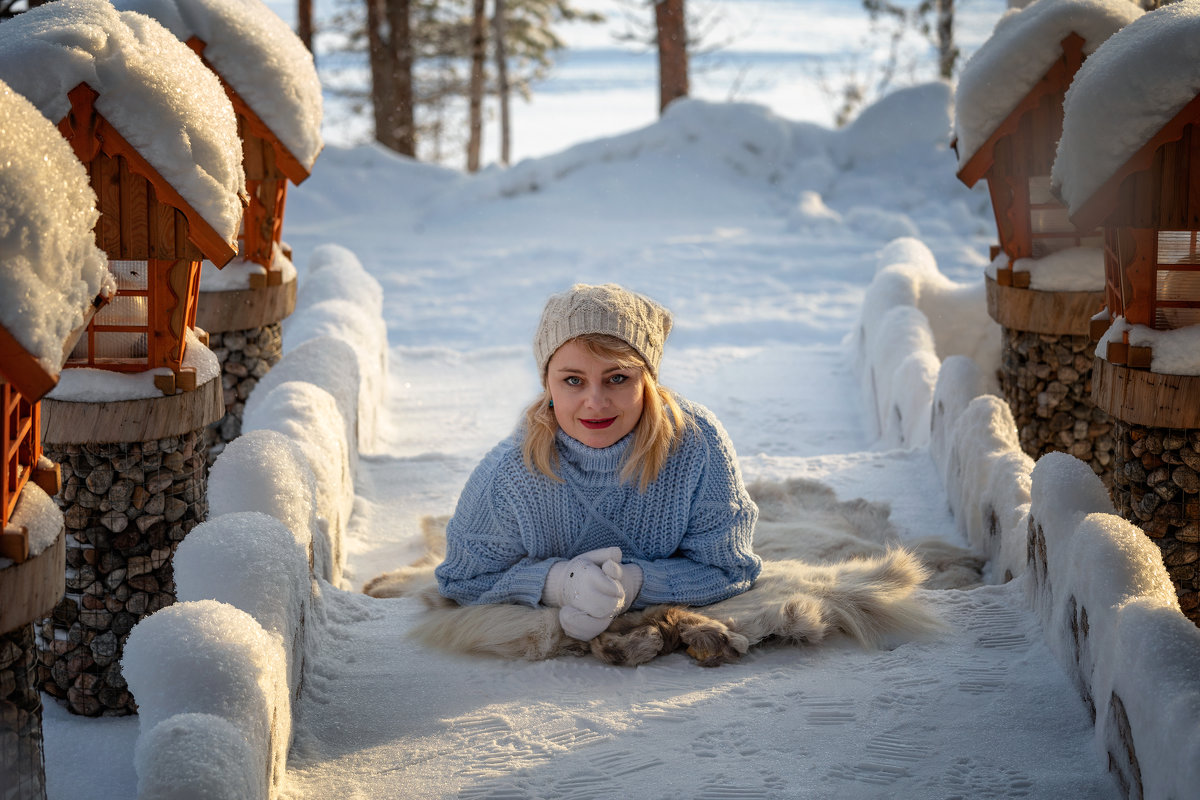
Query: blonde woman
pixel 613 493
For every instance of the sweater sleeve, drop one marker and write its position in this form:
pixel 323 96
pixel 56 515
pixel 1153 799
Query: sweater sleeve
pixel 486 559
pixel 715 559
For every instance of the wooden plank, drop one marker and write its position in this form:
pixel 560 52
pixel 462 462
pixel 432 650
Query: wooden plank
pixel 135 210
pixel 162 230
pixel 1146 398
pixel 245 308
pixel 22 370
pixel 252 155
pixel 107 184
pixel 29 591
pixel 132 420
pixel 1058 313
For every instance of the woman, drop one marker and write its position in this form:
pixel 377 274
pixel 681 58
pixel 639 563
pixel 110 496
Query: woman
pixel 613 493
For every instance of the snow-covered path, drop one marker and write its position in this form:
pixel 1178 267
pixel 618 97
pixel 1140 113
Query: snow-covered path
pixel 765 290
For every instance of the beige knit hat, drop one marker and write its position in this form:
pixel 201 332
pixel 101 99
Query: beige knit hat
pixel 609 309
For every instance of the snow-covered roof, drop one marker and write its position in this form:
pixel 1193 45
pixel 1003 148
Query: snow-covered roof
pixel 153 89
pixel 1123 95
pixel 50 267
pixel 1024 46
pixel 259 56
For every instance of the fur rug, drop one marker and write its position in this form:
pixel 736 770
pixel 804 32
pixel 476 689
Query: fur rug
pixel 828 567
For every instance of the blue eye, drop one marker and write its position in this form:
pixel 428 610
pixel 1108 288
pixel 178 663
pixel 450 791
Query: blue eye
pixel 573 380
pixel 619 378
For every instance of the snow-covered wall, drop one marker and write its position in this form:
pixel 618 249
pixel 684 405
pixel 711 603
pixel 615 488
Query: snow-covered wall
pixel 1096 581
pixel 216 709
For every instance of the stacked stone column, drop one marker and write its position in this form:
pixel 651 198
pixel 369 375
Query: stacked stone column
pixel 127 505
pixel 1156 476
pixel 246 334
pixel 1046 373
pixel 28 590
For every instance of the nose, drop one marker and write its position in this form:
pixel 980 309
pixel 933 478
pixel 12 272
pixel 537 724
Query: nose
pixel 595 397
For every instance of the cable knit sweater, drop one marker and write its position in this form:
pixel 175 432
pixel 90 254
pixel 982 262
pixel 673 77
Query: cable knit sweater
pixel 690 531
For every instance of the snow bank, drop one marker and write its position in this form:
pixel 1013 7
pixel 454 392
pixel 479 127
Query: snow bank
pixel 153 90
pixel 1023 47
pixel 1097 582
pixel 265 471
pixel 208 658
pixel 338 299
pixel 1100 587
pixel 259 56
pixel 52 267
pixel 912 317
pixel 1123 95
pixel 253 562
pixel 308 416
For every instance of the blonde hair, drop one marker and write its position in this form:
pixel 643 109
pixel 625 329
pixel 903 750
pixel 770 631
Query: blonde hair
pixel 657 433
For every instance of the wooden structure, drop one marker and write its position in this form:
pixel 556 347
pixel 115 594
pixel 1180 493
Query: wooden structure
pixel 269 165
pixel 1016 160
pixel 155 242
pixel 1150 212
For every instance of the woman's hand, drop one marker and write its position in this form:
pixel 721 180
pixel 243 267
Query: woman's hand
pixel 590 583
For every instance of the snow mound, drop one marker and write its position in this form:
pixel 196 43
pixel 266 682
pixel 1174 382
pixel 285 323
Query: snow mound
pixel 196 757
pixel 153 89
pixel 1023 47
pixel 209 658
pixel 1123 95
pixel 259 56
pixel 52 267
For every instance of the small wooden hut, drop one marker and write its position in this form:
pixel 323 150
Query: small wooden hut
pixel 1148 204
pixel 54 279
pixel 1047 352
pixel 164 162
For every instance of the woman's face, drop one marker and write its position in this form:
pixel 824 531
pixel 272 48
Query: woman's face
pixel 596 401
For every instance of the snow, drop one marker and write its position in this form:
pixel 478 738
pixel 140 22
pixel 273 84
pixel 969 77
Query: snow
pixel 1025 44
pixel 153 89
pixel 776 323
pixel 1173 352
pixel 38 514
pixel 1123 95
pixel 1072 269
pixel 259 56
pixel 88 385
pixel 52 267
pixel 235 275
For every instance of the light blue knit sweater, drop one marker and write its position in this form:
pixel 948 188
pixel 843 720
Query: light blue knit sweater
pixel 690 531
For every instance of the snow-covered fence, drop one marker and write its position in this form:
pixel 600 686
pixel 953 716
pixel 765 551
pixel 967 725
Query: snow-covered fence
pixel 1096 581
pixel 216 709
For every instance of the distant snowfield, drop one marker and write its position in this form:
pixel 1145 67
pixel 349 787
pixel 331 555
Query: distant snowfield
pixel 772 52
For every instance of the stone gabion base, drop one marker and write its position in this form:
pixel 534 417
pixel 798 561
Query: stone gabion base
pixel 127 507
pixel 245 357
pixel 1156 486
pixel 1047 382
pixel 22 763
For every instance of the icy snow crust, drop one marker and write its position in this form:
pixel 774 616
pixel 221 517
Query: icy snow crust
pixel 260 57
pixel 52 269
pixel 1025 44
pixel 1123 95
pixel 153 90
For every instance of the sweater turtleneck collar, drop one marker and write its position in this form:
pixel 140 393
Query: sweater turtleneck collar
pixel 593 459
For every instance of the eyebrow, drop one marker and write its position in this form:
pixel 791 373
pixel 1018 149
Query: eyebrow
pixel 577 371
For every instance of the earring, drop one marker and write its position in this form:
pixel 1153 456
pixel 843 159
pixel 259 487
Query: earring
pixel 552 404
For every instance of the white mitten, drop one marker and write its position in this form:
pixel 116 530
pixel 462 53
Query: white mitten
pixel 585 585
pixel 579 625
pixel 631 581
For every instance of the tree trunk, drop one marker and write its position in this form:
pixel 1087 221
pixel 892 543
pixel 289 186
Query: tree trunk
pixel 671 27
pixel 502 92
pixel 947 52
pixel 475 90
pixel 391 74
pixel 304 23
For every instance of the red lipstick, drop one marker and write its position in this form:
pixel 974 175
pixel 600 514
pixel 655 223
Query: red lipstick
pixel 597 424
